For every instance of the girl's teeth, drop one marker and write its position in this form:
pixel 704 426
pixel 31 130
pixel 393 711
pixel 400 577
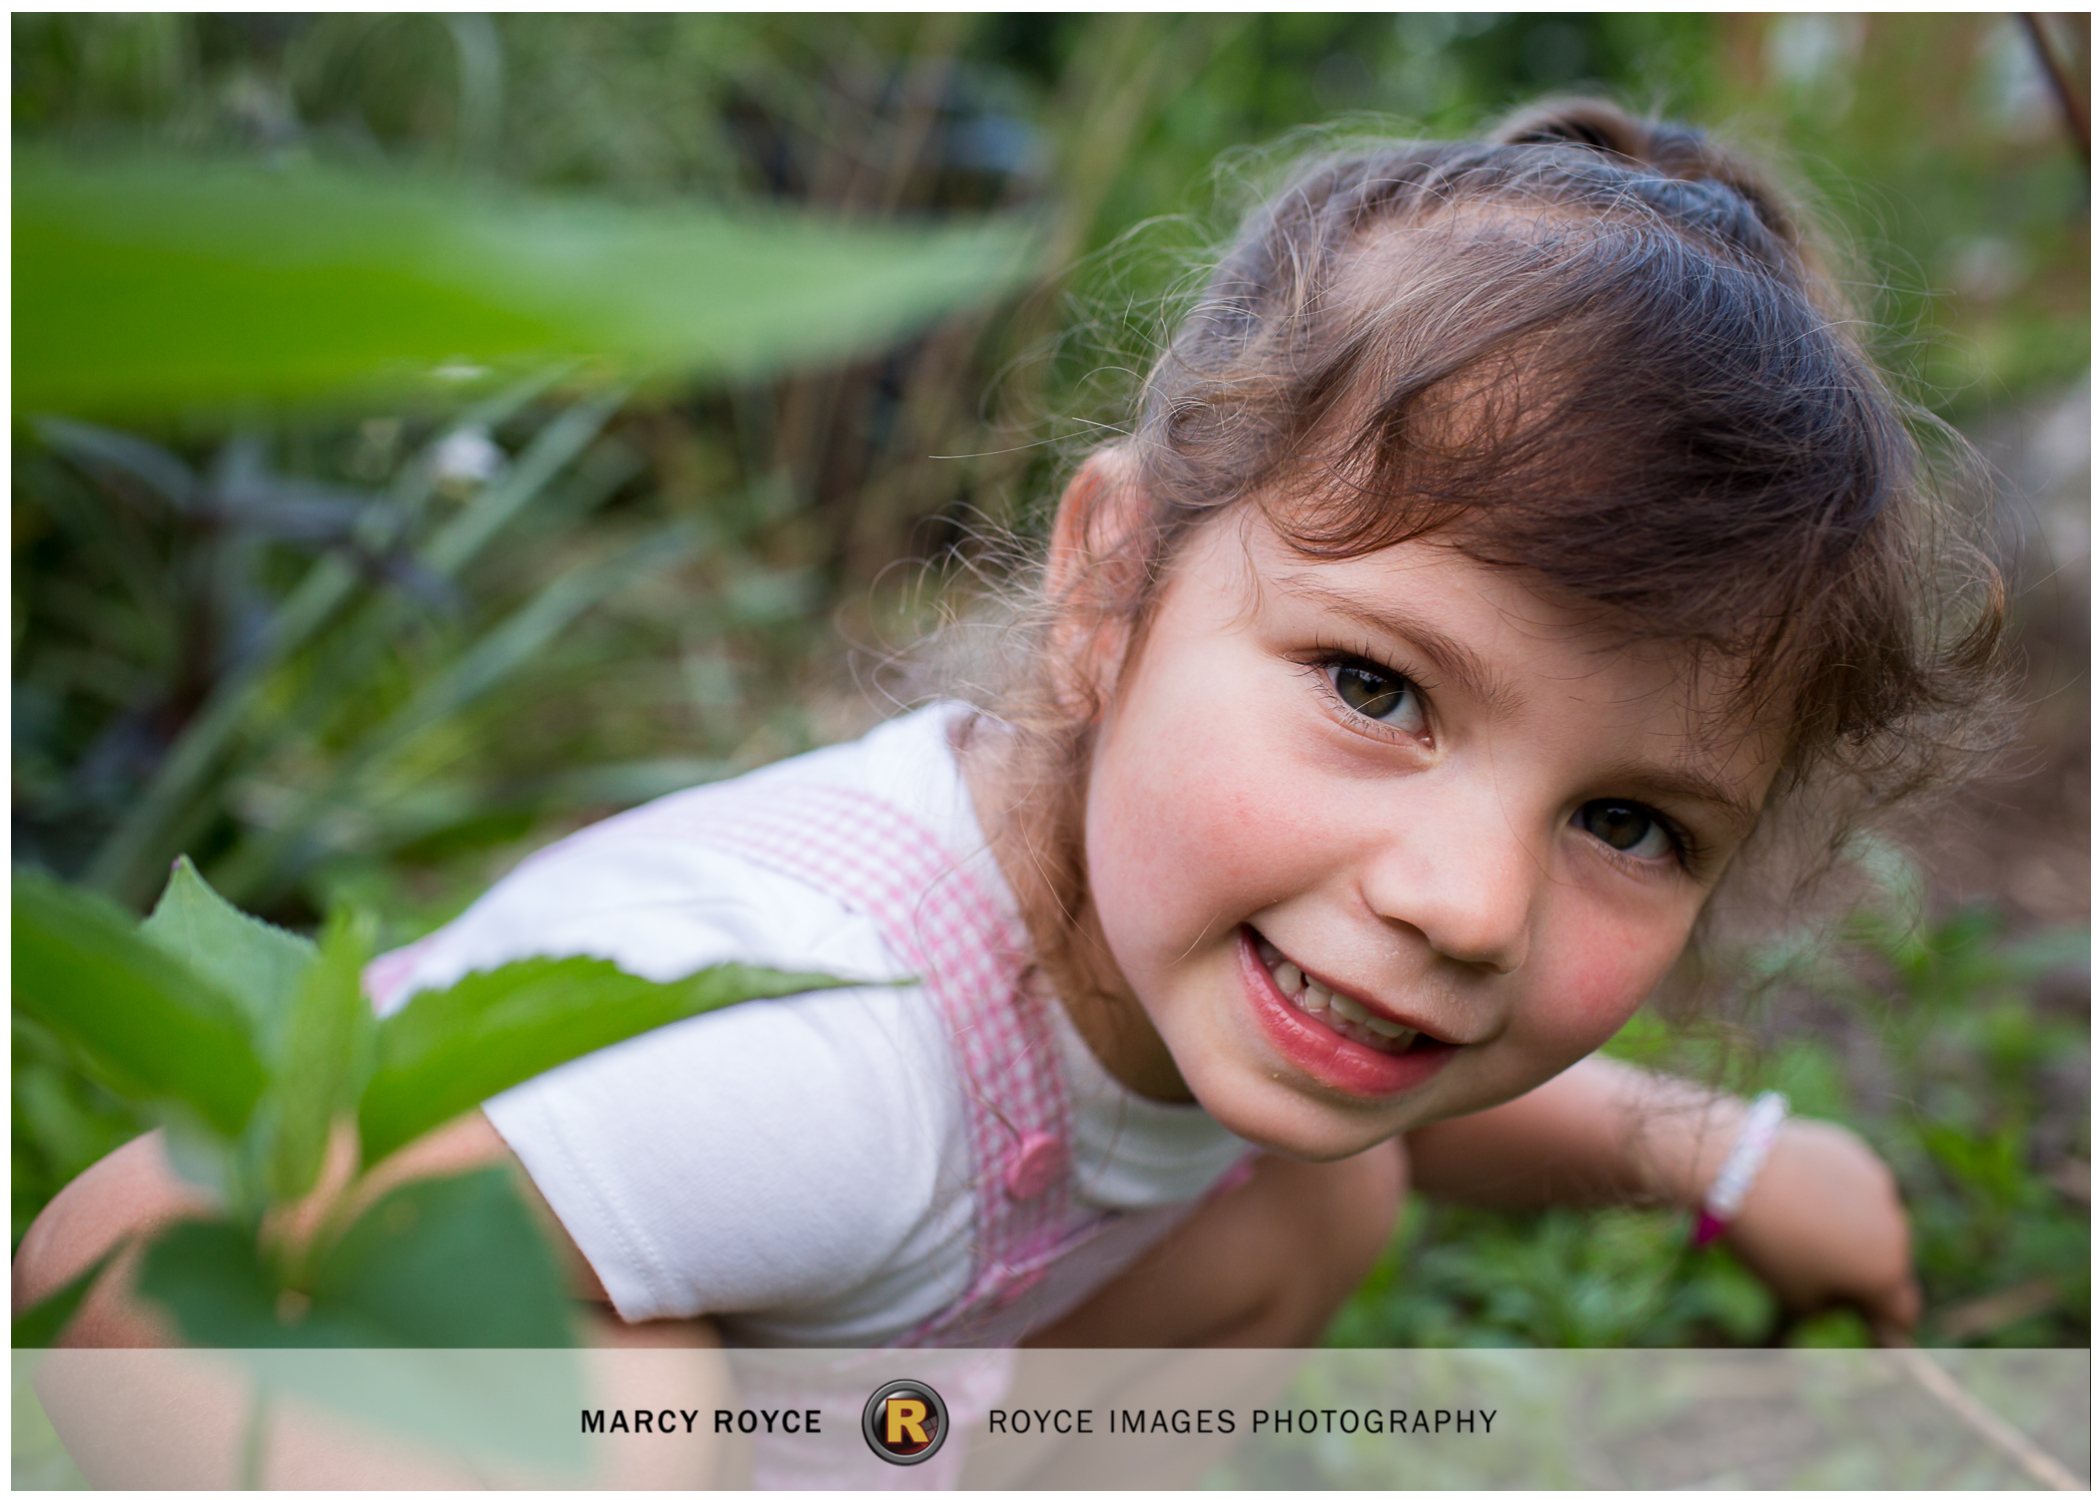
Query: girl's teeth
pixel 1313 996
pixel 1349 1010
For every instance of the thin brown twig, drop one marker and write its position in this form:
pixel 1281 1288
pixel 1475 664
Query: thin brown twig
pixel 2001 1434
pixel 2076 120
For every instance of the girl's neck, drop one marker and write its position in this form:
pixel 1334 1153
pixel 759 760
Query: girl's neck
pixel 1068 943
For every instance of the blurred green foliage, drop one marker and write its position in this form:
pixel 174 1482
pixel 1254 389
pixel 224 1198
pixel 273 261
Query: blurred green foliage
pixel 151 282
pixel 380 652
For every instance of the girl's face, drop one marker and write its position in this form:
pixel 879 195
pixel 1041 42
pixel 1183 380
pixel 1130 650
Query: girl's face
pixel 1381 841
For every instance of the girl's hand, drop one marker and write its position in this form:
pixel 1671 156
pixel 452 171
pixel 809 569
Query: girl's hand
pixel 1823 1224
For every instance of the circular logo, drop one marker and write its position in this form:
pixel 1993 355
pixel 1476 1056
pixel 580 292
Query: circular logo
pixel 905 1422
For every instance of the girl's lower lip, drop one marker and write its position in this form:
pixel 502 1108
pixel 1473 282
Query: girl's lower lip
pixel 1327 1055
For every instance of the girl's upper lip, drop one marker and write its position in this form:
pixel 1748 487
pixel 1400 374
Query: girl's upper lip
pixel 1368 1002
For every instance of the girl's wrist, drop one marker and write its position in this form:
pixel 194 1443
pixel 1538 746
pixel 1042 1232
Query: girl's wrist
pixel 1681 1135
pixel 1755 1135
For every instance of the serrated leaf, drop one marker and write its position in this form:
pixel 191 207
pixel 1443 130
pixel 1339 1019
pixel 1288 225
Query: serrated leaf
pixel 447 1050
pixel 43 1323
pixel 325 1051
pixel 257 964
pixel 448 1262
pixel 150 1025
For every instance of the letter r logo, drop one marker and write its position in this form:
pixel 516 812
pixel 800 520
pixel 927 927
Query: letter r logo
pixel 906 1414
pixel 905 1422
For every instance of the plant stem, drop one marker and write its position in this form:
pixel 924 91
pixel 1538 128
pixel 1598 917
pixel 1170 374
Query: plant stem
pixel 252 1438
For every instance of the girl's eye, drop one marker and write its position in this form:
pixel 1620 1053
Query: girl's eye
pixel 1626 826
pixel 1377 694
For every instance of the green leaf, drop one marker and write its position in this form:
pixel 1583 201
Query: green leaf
pixel 257 964
pixel 213 1283
pixel 145 283
pixel 447 1050
pixel 215 1163
pixel 326 1050
pixel 206 1273
pixel 151 1026
pixel 448 1262
pixel 463 1270
pixel 1839 1328
pixel 37 1328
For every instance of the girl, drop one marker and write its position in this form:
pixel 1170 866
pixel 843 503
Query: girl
pixel 1513 562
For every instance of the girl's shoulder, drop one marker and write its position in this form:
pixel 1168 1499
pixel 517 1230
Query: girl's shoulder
pixel 782 1155
pixel 780 1158
pixel 654 891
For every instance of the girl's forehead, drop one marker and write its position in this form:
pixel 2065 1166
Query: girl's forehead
pixel 1405 574
pixel 1486 627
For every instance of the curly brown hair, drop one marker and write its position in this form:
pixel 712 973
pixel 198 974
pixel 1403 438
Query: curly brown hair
pixel 1594 348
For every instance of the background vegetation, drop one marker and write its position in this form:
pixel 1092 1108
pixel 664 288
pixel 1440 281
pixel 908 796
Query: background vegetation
pixel 379 649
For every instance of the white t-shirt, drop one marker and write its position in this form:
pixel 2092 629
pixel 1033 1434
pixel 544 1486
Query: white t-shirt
pixel 798 1169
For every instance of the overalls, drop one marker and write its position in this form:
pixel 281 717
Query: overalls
pixel 1037 1252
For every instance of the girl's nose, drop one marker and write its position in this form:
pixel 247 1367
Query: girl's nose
pixel 1466 884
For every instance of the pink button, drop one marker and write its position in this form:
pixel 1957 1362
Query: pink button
pixel 1038 1161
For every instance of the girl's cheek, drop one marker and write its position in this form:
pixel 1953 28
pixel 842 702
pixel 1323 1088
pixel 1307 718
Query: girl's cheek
pixel 1604 982
pixel 1190 818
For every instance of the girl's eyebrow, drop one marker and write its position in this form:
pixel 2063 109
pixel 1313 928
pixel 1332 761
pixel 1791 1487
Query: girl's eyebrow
pixel 1686 784
pixel 1462 664
pixel 1452 658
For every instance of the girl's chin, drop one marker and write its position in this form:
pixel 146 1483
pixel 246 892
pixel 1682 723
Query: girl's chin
pixel 1287 1123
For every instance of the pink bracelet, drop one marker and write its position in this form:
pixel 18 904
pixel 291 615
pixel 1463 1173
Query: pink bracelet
pixel 1753 1142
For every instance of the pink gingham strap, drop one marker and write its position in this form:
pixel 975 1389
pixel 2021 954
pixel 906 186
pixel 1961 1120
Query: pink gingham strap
pixel 971 956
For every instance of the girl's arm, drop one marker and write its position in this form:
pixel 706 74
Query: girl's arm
pixel 188 1431
pixel 1822 1223
pixel 133 1192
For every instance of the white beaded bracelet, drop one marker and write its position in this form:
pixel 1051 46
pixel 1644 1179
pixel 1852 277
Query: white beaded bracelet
pixel 1753 1142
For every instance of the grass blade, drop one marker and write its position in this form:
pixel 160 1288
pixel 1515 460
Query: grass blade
pixel 509 646
pixel 125 863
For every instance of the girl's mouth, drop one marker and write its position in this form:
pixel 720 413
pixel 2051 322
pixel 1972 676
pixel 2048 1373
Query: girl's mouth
pixel 1334 1038
pixel 1338 1013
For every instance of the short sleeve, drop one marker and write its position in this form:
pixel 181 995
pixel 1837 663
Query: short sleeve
pixel 775 1155
pixel 779 1154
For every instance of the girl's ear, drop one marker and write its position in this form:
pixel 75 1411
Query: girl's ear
pixel 1093 541
pixel 1096 570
